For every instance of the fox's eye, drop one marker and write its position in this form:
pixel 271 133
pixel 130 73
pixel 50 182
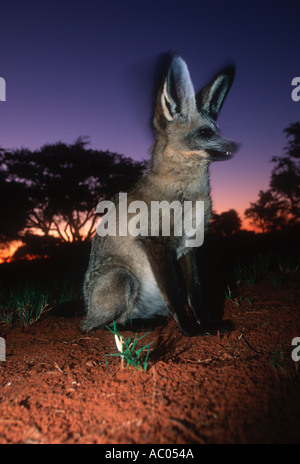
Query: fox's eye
pixel 206 132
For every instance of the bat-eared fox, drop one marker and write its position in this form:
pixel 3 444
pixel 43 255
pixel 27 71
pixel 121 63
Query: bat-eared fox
pixel 142 276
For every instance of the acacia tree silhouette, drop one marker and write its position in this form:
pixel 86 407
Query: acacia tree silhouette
pixel 64 184
pixel 226 223
pixel 267 212
pixel 13 205
pixel 279 206
pixel 285 177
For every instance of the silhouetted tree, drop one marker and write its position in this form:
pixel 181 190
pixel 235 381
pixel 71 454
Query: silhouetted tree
pixel 64 184
pixel 280 205
pixel 266 212
pixel 13 204
pixel 285 177
pixel 226 223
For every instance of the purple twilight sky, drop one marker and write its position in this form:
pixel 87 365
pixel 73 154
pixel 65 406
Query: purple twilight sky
pixel 87 67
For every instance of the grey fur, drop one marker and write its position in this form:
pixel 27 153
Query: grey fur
pixel 120 282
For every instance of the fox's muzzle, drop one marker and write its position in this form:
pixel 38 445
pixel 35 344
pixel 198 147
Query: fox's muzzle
pixel 224 153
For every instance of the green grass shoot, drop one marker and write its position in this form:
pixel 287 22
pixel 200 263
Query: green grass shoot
pixel 128 350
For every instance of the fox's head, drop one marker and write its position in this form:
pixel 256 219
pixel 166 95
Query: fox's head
pixel 187 121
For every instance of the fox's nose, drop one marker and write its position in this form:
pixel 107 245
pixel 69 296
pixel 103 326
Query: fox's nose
pixel 233 148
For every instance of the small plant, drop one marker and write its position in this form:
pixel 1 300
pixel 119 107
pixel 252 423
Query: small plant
pixel 6 312
pixel 30 303
pixel 251 272
pixel 238 273
pixel 6 317
pixel 128 351
pixel 249 300
pixel 288 265
pixel 66 294
pixel 278 362
pixel 27 301
pixel 229 296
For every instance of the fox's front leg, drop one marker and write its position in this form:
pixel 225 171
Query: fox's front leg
pixel 193 287
pixel 167 273
pixel 194 295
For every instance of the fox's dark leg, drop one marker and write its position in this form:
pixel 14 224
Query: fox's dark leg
pixel 171 285
pixel 194 295
pixel 193 287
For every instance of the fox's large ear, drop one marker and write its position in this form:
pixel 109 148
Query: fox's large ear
pixel 177 96
pixel 211 98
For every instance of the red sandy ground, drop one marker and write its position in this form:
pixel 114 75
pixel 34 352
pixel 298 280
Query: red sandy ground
pixel 240 387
